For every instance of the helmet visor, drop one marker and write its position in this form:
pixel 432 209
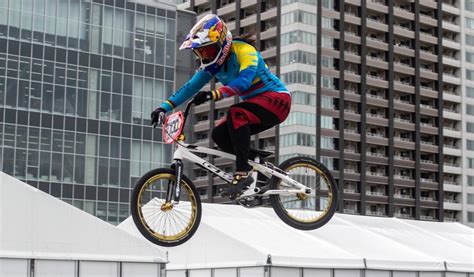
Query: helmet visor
pixel 207 53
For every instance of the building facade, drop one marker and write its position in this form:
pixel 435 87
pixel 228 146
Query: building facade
pixel 376 97
pixel 78 80
pixel 467 37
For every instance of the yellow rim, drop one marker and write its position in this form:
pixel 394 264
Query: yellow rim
pixel 192 200
pixel 330 196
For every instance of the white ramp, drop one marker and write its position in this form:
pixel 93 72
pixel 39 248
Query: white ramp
pixel 41 229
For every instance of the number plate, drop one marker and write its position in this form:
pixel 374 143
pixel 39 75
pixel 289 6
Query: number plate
pixel 173 127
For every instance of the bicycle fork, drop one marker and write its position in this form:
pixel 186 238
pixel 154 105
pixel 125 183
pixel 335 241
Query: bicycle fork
pixel 174 188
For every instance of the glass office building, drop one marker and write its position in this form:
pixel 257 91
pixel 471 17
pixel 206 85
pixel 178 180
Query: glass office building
pixel 78 80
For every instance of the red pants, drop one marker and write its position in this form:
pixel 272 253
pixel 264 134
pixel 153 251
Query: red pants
pixel 247 118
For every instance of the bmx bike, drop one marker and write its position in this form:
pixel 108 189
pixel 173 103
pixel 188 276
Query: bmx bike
pixel 166 207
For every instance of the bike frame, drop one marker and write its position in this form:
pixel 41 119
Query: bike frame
pixel 186 152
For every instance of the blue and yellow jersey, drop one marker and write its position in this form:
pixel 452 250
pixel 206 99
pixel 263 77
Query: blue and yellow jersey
pixel 244 74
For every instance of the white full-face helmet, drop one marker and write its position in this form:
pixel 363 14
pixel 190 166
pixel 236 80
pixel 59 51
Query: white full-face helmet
pixel 210 39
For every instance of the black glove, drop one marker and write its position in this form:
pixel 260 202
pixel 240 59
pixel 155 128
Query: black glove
pixel 158 117
pixel 202 97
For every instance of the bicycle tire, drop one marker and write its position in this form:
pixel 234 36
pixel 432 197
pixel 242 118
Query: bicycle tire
pixel 143 227
pixel 283 214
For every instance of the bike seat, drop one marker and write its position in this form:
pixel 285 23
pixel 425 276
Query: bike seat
pixel 260 153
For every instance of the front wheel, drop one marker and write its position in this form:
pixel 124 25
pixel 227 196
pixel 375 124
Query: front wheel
pixel 305 211
pixel 165 223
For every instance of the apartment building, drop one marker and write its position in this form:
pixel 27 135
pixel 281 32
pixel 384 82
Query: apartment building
pixel 377 97
pixel 466 20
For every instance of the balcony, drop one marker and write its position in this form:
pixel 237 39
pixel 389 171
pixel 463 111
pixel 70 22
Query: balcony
pixel 375 193
pixel 427 106
pixel 379 174
pixel 351 131
pixel 376 135
pixel 376 39
pixel 427 161
pixel 401 101
pixel 401 196
pixel 375 213
pixel 376 58
pixel 403 139
pixel 350 170
pixel 350 191
pixel 351 111
pixel 399 119
pixel 350 91
pixel 427 217
pixel 350 150
pixel 398 157
pixel 376 77
pixel 427 124
pixel 350 211
pixel 402 177
pixel 451 219
pixel 428 143
pixel 451 201
pixel 451 164
pixel 427 198
pixel 399 215
pixel 376 115
pixel 376 96
pixel 375 154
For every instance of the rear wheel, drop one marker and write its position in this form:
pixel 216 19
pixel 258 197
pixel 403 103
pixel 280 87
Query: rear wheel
pixel 305 211
pixel 165 224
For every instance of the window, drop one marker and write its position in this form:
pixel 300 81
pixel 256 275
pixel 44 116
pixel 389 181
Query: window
pixel 298 37
pixel 470 109
pixel 300 118
pixel 469 57
pixel 329 4
pixel 470 181
pixel 300 77
pixel 470 198
pixel 469 23
pixel 470 216
pixel 327 42
pixel 328 162
pixel 470 162
pixel 470 74
pixel 327 102
pixel 327 122
pixel 327 82
pixel 298 57
pixel 299 16
pixel 470 92
pixel 327 143
pixel 470 144
pixel 469 5
pixel 300 97
pixel 299 139
pixel 327 23
pixel 470 40
pixel 470 127
pixel 327 62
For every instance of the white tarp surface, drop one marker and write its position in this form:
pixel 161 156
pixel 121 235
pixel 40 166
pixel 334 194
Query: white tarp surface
pixel 232 236
pixel 37 225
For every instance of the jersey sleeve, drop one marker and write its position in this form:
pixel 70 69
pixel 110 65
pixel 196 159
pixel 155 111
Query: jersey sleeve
pixel 191 87
pixel 248 60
